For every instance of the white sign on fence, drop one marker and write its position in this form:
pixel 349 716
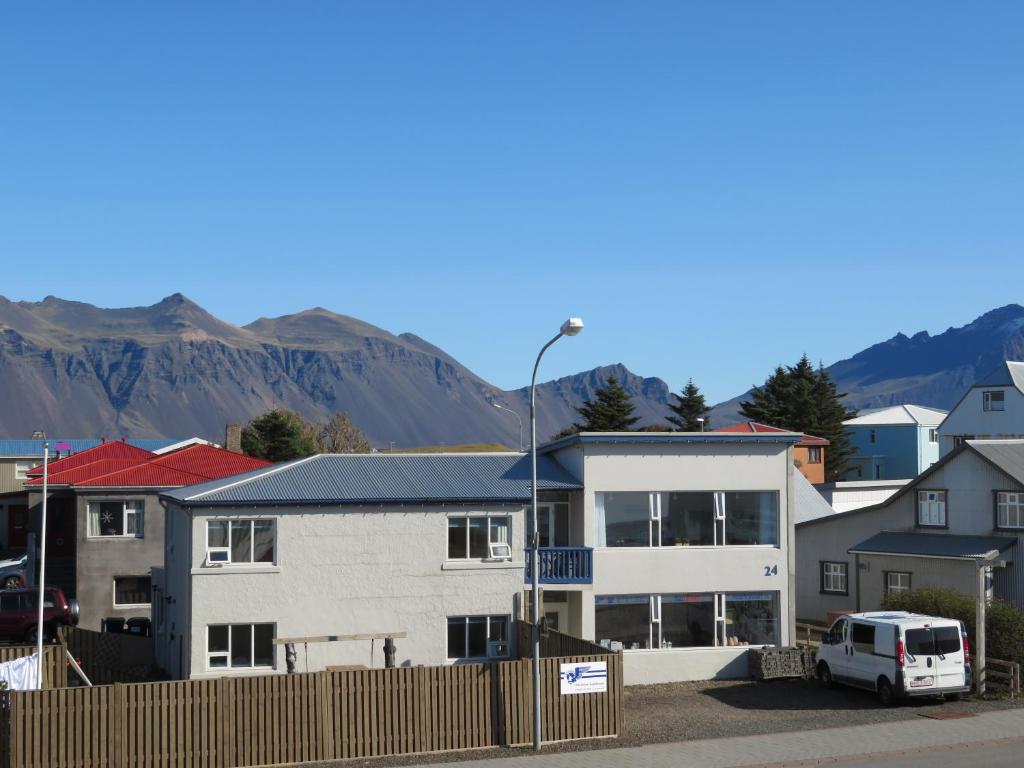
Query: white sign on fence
pixel 584 677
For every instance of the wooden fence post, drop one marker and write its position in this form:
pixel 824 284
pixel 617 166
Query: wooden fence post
pixel 226 709
pixel 118 715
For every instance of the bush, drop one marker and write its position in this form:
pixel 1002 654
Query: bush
pixel 1004 624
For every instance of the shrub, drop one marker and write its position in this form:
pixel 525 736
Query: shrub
pixel 1004 624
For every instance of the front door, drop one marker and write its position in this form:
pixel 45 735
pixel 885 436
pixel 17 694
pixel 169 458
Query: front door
pixel 553 525
pixel 17 526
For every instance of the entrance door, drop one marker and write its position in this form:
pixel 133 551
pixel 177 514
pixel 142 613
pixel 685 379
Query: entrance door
pixel 553 525
pixel 17 526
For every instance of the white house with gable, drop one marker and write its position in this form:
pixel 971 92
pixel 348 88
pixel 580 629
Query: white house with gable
pixel 991 409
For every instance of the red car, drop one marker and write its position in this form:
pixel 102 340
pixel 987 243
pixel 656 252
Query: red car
pixel 19 614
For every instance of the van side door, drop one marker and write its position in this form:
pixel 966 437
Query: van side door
pixel 838 657
pixel 864 664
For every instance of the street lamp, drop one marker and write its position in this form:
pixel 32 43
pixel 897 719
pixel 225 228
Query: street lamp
pixel 570 327
pixel 701 420
pixel 42 567
pixel 518 417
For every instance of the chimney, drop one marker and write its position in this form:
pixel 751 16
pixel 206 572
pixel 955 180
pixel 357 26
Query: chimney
pixel 233 438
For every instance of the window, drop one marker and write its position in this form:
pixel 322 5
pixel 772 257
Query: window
pixel 897 581
pixel 931 508
pixel 239 541
pixel 115 518
pixel 993 401
pixel 688 518
pixel 639 622
pixel 814 454
pixel 479 538
pixel 833 578
pixel 21 469
pixel 240 646
pixel 933 435
pixel 132 591
pixel 933 641
pixel 478 637
pixel 872 436
pixel 862 637
pixel 1009 510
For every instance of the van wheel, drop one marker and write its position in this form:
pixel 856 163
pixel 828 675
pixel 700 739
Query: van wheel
pixel 825 676
pixel 885 692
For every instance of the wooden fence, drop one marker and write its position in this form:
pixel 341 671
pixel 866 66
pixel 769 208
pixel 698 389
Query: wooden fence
pixel 1003 676
pixel 55 669
pixel 274 719
pixel 554 643
pixel 109 657
pixel 809 635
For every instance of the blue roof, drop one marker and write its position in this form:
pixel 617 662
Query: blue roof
pixel 941 545
pixel 384 478
pixel 670 438
pixel 34 448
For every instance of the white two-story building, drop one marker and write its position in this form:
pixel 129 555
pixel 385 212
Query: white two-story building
pixel 991 409
pixel 675 547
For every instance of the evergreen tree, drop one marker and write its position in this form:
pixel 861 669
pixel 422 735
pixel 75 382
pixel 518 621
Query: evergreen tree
pixel 689 407
pixel 609 411
pixel 831 414
pixel 279 435
pixel 768 403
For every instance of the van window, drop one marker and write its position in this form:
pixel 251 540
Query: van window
pixel 947 640
pixel 863 637
pixel 920 642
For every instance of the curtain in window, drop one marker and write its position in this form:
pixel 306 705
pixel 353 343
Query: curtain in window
pixel 94 519
pixel 601 538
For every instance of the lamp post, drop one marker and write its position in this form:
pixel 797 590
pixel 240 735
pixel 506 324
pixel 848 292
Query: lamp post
pixel 701 420
pixel 42 568
pixel 570 327
pixel 518 418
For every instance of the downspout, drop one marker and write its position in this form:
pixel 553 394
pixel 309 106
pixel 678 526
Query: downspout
pixel 856 582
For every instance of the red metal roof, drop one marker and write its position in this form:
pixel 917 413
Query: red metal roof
pixel 754 426
pixel 186 466
pixel 104 455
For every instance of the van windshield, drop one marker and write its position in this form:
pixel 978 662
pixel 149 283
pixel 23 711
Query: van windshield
pixel 933 642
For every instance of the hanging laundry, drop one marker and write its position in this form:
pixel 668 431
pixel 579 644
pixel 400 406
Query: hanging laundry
pixel 21 674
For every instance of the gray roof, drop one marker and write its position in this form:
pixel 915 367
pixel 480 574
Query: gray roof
pixel 1009 373
pixel 939 545
pixel 34 447
pixel 808 504
pixel 1007 455
pixel 384 478
pixel 670 438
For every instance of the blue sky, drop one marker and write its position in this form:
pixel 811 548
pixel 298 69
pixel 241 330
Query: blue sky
pixel 714 188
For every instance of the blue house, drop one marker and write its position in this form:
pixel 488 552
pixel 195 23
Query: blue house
pixel 894 443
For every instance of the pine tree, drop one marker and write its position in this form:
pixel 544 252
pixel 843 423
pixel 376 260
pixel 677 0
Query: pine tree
pixel 769 403
pixel 831 414
pixel 609 411
pixel 688 408
pixel 279 435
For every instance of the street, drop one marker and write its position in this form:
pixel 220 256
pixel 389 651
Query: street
pixel 1002 755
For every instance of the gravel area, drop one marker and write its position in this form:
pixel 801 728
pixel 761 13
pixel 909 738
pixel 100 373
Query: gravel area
pixel 708 710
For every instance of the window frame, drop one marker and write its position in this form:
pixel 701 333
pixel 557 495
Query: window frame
pixel 489 517
pixel 988 398
pixel 887 587
pixel 252 645
pixel 933 434
pixel 814 454
pixel 23 467
pixel 116 604
pixel 138 509
pixel 1019 503
pixel 250 563
pixel 823 568
pixel 944 525
pixel 467 659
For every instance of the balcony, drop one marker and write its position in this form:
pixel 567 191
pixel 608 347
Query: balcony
pixel 563 565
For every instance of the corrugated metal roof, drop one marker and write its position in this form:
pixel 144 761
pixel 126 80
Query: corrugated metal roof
pixel 1008 455
pixel 380 478
pixel 34 448
pixel 99 458
pixel 939 545
pixel 657 438
pixel 757 427
pixel 1010 373
pixel 898 414
pixel 808 504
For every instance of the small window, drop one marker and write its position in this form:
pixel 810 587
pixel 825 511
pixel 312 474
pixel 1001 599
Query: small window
pixel 862 637
pixel 478 637
pixel 897 581
pixel 814 455
pixel 240 542
pixel 933 435
pixel 1009 509
pixel 115 519
pixel 21 469
pixel 132 591
pixel 872 436
pixel 931 509
pixel 833 578
pixel 478 538
pixel 240 646
pixel 993 401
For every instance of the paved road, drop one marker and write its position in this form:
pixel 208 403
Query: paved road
pixel 1004 755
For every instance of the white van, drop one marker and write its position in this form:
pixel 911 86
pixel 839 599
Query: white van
pixel 896 654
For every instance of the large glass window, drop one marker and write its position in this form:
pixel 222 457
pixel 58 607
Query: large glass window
pixel 478 637
pixel 240 646
pixel 751 518
pixel 624 619
pixel 240 541
pixel 688 519
pixel 687 621
pixel 1010 509
pixel 478 538
pixel 115 518
pixel 751 619
pixel 624 519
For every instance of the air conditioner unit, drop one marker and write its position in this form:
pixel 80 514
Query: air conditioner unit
pixel 497 650
pixel 217 556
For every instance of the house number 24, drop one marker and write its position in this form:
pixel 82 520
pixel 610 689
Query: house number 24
pixel 771 570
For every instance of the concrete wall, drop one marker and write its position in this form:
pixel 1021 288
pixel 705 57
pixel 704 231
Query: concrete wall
pixel 969 418
pixel 692 569
pixel 970 483
pixel 346 571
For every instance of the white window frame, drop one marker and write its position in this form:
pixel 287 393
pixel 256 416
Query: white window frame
pixel 933 435
pixel 936 507
pixel 989 400
pixel 252 645
pixel 492 645
pixel 491 543
pixel 894 588
pixel 1010 503
pixel 833 573
pixel 814 454
pixel 22 468
pixel 133 507
pixel 132 605
pixel 208 562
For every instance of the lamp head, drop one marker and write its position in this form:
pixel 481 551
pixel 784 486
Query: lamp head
pixel 572 326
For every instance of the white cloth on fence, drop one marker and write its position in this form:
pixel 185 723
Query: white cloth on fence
pixel 21 674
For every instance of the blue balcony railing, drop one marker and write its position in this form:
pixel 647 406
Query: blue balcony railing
pixel 563 565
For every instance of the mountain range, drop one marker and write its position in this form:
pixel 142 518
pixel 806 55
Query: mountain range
pixel 174 370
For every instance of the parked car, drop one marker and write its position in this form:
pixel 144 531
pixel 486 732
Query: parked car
pixel 19 614
pixel 897 655
pixel 12 572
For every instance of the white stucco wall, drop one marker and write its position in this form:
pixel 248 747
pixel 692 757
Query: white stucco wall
pixel 969 418
pixel 353 571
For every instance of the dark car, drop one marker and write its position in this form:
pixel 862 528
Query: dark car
pixel 19 614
